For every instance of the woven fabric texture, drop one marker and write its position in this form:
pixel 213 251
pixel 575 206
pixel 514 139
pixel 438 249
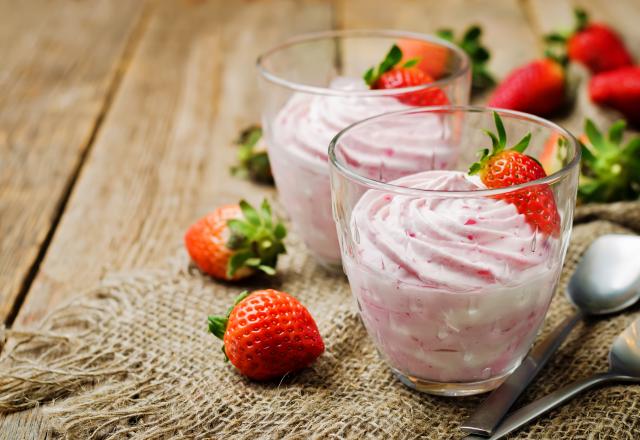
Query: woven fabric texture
pixel 132 359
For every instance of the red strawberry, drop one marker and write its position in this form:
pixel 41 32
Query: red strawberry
pixel 537 87
pixel 550 158
pixel 503 167
pixel 432 57
pixel 619 89
pixel 268 334
pixel 388 76
pixel 234 241
pixel 595 45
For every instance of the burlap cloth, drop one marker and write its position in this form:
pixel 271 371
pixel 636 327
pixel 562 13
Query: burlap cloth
pixel 132 359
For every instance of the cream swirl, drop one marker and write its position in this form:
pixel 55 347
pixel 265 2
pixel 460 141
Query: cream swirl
pixel 307 123
pixel 457 244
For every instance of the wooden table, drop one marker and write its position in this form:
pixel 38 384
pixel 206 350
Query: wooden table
pixel 116 118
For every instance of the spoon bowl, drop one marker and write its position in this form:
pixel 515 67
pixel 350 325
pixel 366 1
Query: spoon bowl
pixel 624 357
pixel 607 278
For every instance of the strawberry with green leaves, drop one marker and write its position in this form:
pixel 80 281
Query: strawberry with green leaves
pixel 478 54
pixel 503 167
pixel 609 171
pixel 268 334
pixel 253 161
pixel 595 45
pixel 392 73
pixel 235 241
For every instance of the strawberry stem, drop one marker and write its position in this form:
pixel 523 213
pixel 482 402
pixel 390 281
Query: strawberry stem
pixel 255 240
pixel 556 42
pixel 393 57
pixel 498 144
pixel 609 171
pixel 253 160
pixel 218 323
pixel 471 43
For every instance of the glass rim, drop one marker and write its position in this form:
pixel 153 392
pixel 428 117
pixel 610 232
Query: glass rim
pixel 404 190
pixel 361 33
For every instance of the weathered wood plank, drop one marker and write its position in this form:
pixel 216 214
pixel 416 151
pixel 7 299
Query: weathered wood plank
pixel 506 30
pixel 26 425
pixel 163 153
pixel 59 62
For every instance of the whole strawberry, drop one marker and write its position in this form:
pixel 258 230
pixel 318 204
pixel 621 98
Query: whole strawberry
pixel 595 45
pixel 504 167
pixel 392 74
pixel 268 334
pixel 235 241
pixel 538 88
pixel 618 89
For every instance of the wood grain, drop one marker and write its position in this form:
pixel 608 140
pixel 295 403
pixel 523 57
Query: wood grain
pixel 59 61
pixel 163 153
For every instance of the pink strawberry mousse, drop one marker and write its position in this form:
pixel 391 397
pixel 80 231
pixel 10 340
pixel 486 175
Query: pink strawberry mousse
pixel 300 137
pixel 450 289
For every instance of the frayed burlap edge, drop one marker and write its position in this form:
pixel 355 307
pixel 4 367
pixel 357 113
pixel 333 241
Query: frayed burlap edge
pixel 102 390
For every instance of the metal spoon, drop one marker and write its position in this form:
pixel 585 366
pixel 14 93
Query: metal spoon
pixel 607 280
pixel 624 366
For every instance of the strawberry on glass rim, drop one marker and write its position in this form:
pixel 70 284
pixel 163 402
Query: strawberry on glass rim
pixel 392 73
pixel 503 167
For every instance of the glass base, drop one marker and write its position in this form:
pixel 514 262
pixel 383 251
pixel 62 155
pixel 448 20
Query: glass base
pixel 333 267
pixel 453 388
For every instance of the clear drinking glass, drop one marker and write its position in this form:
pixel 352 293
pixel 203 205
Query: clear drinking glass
pixel 312 87
pixel 452 282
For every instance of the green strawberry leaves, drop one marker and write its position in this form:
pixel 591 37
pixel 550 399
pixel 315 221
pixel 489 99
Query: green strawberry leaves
pixel 256 239
pixel 391 60
pixel 556 42
pixel 471 43
pixel 609 171
pixel 253 162
pixel 218 323
pixel 498 144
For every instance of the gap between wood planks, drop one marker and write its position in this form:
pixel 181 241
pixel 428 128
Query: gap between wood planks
pixel 120 71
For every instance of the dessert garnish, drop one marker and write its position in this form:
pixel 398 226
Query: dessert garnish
pixel 393 73
pixel 235 241
pixel 268 334
pixel 502 167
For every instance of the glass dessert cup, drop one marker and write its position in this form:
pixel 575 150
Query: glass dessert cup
pixel 451 281
pixel 311 88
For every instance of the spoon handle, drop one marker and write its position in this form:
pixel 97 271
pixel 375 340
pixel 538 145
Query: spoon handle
pixel 529 412
pixel 489 414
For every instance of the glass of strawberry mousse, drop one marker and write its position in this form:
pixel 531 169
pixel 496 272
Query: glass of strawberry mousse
pixel 313 86
pixel 452 278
